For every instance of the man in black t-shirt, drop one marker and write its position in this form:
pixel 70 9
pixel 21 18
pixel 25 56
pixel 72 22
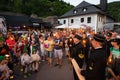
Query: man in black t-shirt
pixel 58 50
pixel 96 66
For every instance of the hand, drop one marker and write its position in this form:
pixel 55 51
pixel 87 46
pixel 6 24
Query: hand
pixel 70 59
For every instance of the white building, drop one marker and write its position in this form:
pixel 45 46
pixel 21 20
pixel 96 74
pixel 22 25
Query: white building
pixel 87 14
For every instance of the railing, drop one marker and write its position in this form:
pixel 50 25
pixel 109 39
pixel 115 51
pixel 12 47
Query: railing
pixel 77 70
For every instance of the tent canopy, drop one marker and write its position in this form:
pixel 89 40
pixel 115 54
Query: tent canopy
pixel 66 26
pixel 61 26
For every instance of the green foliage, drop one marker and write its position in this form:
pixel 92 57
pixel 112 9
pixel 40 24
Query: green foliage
pixel 114 10
pixel 42 8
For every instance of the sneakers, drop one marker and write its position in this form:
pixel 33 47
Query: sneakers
pixel 56 64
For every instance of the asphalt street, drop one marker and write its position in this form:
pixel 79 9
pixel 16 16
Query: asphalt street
pixel 47 72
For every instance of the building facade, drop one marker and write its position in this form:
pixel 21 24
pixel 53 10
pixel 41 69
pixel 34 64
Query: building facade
pixel 87 14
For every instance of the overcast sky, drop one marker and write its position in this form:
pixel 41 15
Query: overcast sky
pixel 76 2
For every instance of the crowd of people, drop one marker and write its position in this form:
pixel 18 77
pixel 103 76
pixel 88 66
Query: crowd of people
pixel 97 53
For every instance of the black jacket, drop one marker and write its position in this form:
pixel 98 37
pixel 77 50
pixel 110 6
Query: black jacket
pixel 96 65
pixel 77 53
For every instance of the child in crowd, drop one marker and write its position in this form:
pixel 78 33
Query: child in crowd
pixel 4 70
pixel 35 59
pixel 42 49
pixel 25 62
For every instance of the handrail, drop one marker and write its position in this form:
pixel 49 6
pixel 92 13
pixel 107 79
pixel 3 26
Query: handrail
pixel 77 70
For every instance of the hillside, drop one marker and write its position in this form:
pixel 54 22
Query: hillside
pixel 44 8
pixel 114 10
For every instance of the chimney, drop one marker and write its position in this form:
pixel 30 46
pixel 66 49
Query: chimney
pixel 103 5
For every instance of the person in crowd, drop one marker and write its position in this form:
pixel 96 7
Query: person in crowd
pixel 5 51
pixel 19 49
pixel 24 36
pixel 115 56
pixel 49 49
pixel 11 44
pixel 58 52
pixel 16 35
pixel 86 43
pixel 33 42
pixel 96 65
pixel 77 53
pixel 42 48
pixel 66 48
pixel 108 36
pixel 25 62
pixel 4 69
pixel 35 60
pixel 114 34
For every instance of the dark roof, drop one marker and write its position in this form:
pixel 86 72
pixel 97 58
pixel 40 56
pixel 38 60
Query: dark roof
pixel 15 19
pixel 47 24
pixel 36 20
pixel 90 8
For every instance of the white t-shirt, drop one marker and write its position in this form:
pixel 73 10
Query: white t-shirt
pixel 35 57
pixel 25 59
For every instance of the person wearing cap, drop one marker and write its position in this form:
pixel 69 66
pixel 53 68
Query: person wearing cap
pixel 108 42
pixel 77 53
pixel 96 65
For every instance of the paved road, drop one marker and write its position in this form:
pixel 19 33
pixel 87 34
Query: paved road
pixel 47 72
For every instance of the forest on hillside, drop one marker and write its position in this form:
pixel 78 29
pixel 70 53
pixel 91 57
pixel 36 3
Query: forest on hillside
pixel 44 8
pixel 114 10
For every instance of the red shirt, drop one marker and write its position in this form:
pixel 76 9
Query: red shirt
pixel 10 43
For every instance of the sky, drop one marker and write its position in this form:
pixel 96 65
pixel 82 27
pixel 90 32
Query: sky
pixel 76 2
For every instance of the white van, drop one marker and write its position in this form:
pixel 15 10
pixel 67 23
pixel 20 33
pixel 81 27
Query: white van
pixel 3 27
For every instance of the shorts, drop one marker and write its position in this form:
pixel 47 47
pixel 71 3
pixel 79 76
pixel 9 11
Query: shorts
pixel 49 54
pixel 43 53
pixel 58 53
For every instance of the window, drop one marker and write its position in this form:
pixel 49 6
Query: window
pixel 84 9
pixel 58 22
pixel 89 20
pixel 64 22
pixel 82 20
pixel 72 21
pixel 75 11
